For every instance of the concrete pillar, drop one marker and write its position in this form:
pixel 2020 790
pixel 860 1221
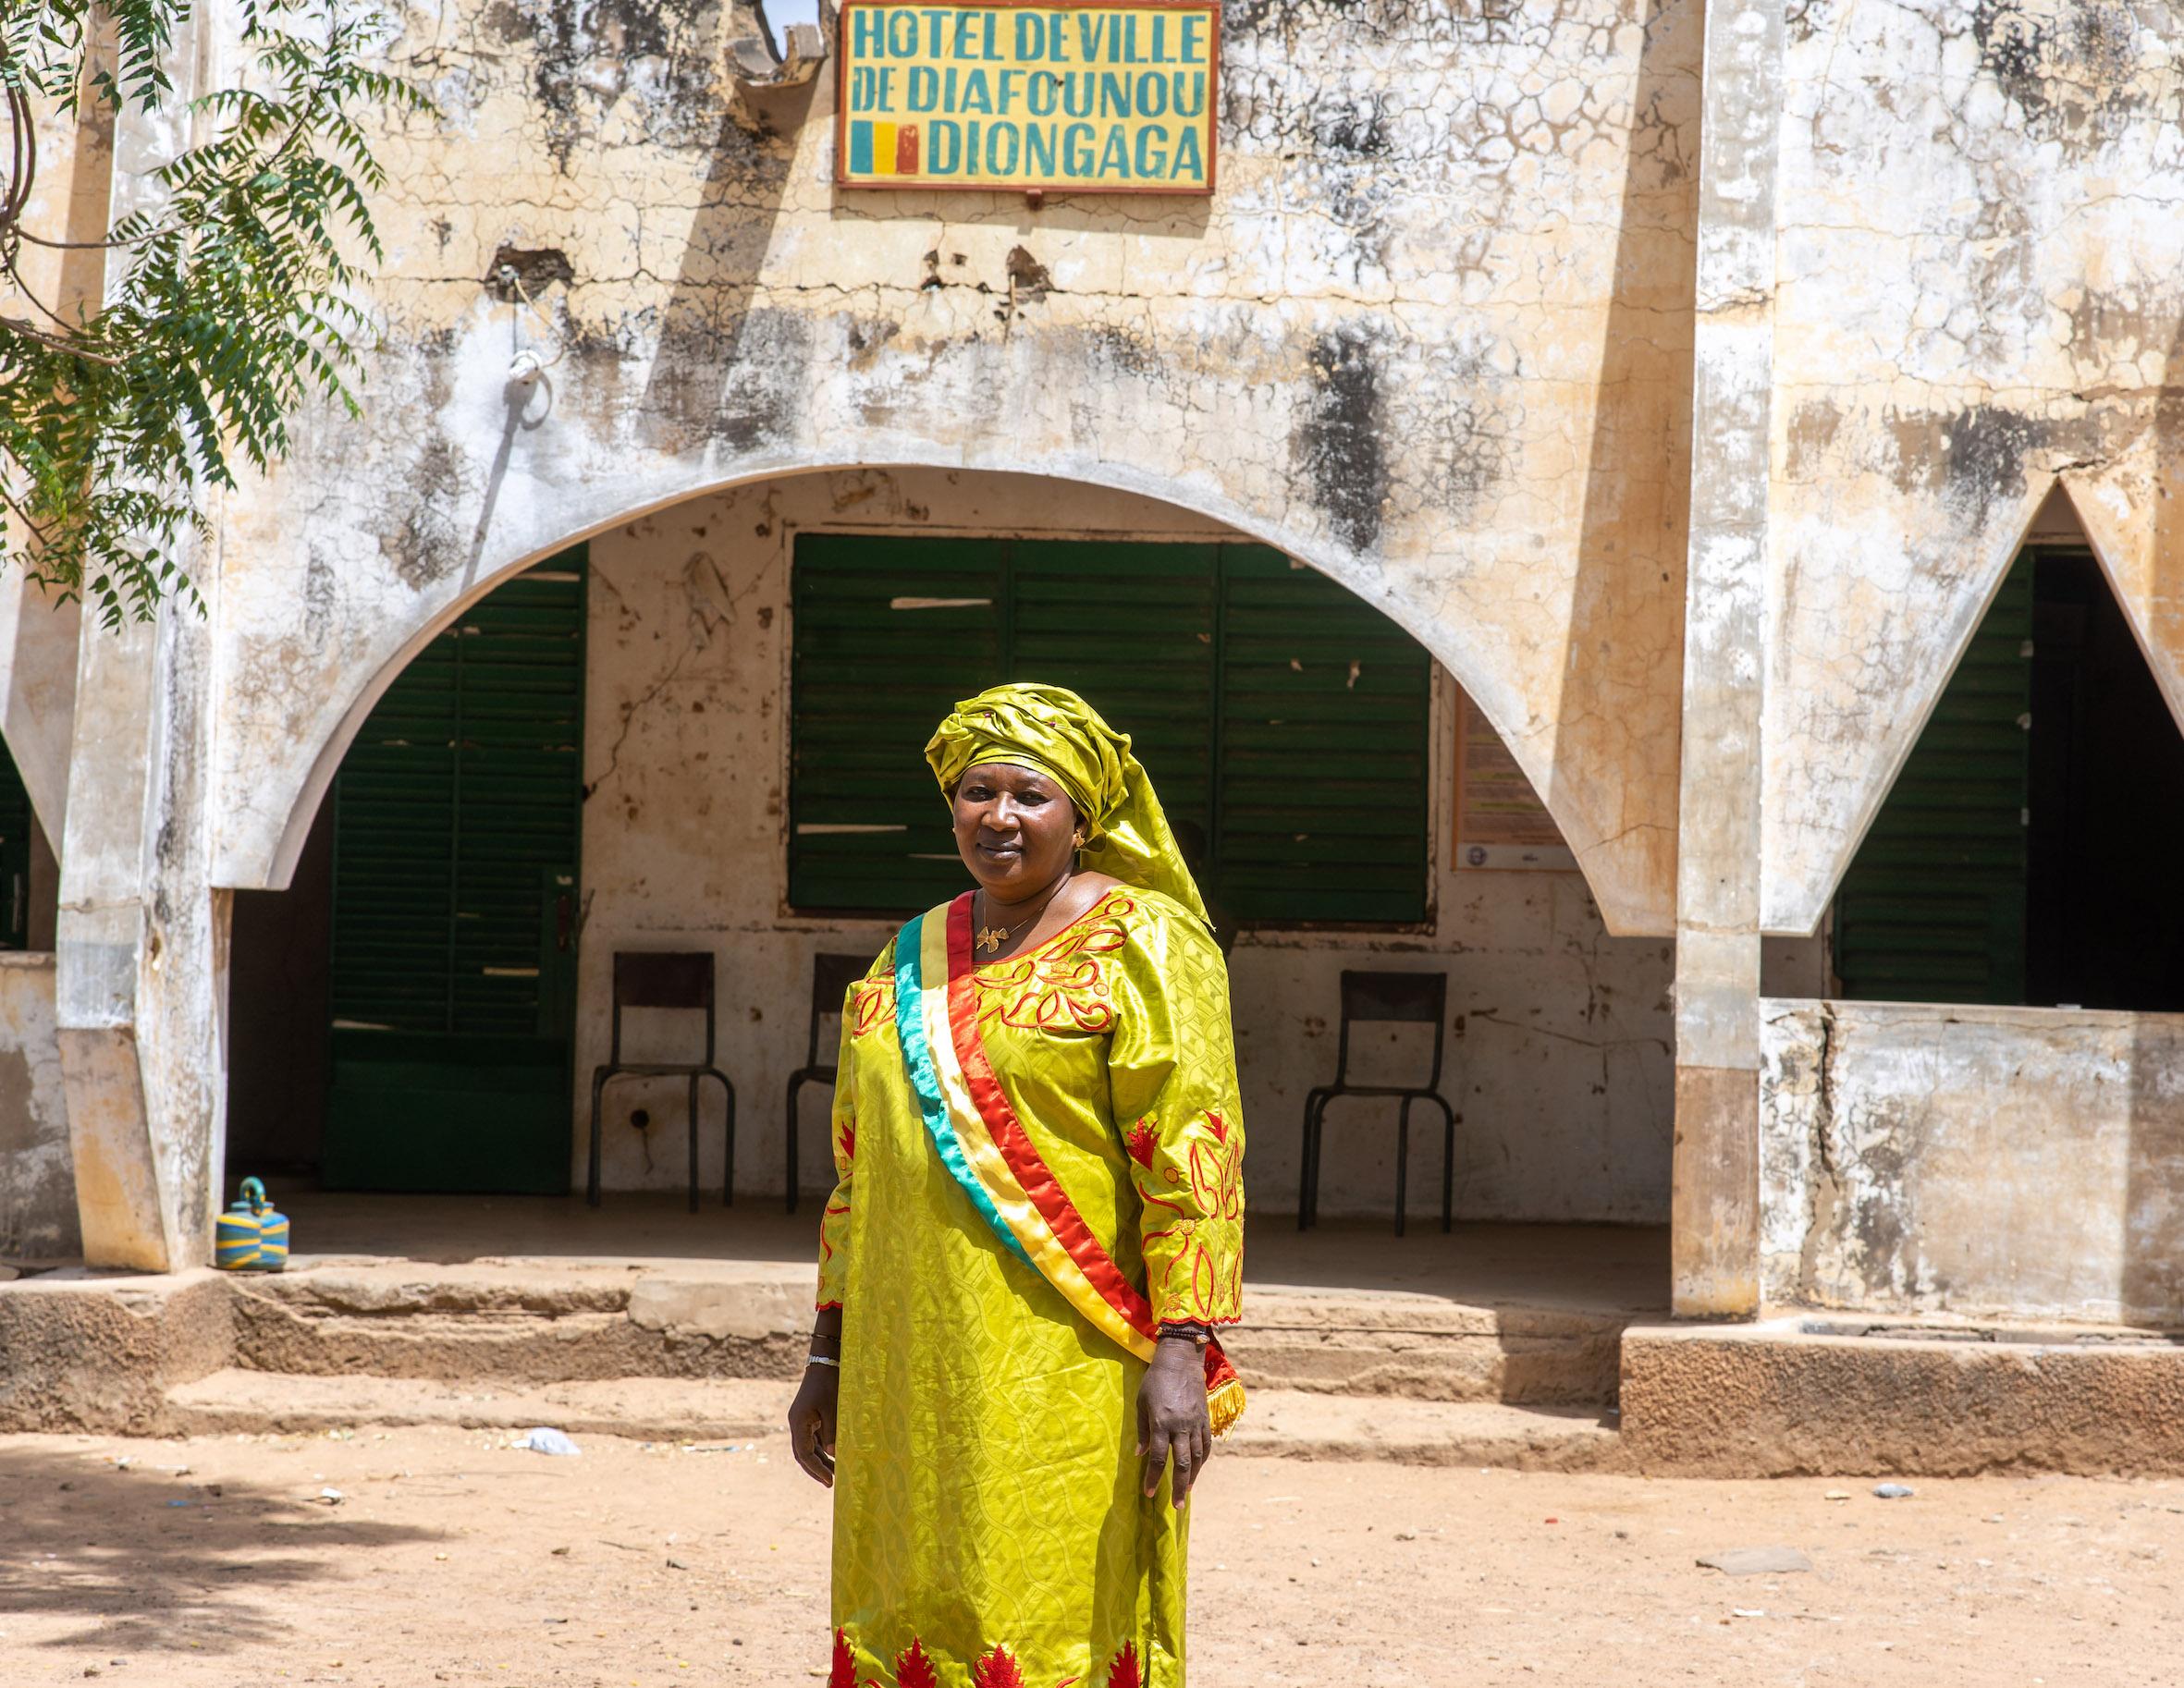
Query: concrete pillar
pixel 142 951
pixel 1715 1208
pixel 141 940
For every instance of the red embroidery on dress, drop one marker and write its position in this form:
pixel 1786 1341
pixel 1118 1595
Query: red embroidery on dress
pixel 844 1674
pixel 997 1670
pixel 872 1003
pixel 1061 987
pixel 1216 1179
pixel 913 1670
pixel 849 1139
pixel 1220 1131
pixel 1143 1140
pixel 1123 1674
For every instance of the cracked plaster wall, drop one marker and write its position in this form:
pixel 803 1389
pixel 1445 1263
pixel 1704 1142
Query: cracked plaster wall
pixel 1981 253
pixel 1558 1053
pixel 38 1186
pixel 1973 1161
pixel 1431 336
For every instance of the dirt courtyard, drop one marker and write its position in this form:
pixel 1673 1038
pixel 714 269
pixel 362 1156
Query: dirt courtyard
pixel 406 1558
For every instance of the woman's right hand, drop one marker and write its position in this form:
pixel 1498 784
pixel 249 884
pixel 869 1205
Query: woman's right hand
pixel 810 1421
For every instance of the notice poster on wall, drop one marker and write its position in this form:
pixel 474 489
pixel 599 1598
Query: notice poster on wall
pixel 1501 823
pixel 1103 98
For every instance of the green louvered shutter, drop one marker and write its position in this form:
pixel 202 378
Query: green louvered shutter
pixel 458 823
pixel 1933 909
pixel 1324 752
pixel 888 634
pixel 1129 628
pixel 1228 666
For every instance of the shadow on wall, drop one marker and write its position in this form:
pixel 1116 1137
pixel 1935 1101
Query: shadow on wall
pixel 1633 532
pixel 136 1574
pixel 723 372
pixel 2153 1209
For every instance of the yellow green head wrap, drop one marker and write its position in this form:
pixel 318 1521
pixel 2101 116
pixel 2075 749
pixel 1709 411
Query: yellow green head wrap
pixel 1052 729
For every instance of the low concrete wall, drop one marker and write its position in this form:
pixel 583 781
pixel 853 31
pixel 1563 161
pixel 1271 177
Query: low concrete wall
pixel 1981 1161
pixel 94 1352
pixel 1779 1400
pixel 37 1173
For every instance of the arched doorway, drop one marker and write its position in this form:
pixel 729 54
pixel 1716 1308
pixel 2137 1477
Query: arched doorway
pixel 749 650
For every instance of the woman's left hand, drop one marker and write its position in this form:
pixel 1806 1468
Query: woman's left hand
pixel 1171 1416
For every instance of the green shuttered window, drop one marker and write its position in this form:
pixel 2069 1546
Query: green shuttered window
pixel 456 822
pixel 1285 721
pixel 1933 909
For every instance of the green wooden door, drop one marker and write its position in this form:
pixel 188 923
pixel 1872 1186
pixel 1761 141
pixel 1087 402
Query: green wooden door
pixel 1284 719
pixel 458 818
pixel 1933 907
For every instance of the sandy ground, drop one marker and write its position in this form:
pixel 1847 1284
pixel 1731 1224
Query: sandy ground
pixel 450 1556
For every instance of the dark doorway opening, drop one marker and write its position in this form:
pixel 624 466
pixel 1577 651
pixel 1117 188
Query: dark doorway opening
pixel 2026 851
pixel 2104 910
pixel 277 979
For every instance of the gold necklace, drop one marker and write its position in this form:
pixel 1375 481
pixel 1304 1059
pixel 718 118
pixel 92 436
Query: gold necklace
pixel 990 938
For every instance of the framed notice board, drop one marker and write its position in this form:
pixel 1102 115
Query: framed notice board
pixel 1100 96
pixel 1501 823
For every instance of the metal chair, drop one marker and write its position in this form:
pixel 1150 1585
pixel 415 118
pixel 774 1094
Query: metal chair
pixel 1384 997
pixel 832 977
pixel 675 979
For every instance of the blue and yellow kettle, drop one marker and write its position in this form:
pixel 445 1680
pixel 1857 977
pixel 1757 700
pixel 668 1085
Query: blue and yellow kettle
pixel 249 1236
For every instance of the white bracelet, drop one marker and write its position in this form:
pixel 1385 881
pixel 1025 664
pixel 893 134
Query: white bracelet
pixel 821 1360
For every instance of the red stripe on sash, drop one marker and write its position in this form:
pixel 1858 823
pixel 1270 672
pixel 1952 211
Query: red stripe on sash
pixel 1015 1142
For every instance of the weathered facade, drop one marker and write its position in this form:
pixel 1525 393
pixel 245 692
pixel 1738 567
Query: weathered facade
pixel 1683 377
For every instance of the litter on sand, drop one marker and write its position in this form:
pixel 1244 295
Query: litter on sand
pixel 1895 1491
pixel 540 1440
pixel 1757 1561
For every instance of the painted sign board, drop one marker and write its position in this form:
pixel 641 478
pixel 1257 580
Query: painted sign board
pixel 1501 823
pixel 1112 96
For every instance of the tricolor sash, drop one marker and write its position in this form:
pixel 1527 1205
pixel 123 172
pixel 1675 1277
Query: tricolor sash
pixel 987 1152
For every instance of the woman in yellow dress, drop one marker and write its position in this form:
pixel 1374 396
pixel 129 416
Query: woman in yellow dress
pixel 1039 1224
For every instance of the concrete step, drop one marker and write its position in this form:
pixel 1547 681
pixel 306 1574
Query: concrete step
pixel 1835 1395
pixel 523 1323
pixel 536 1322
pixel 1287 1424
pixel 1427 1348
pixel 1280 1423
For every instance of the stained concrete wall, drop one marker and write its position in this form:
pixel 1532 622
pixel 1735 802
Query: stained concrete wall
pixel 1974 1160
pixel 1431 336
pixel 1434 337
pixel 37 1175
pixel 1979 239
pixel 1558 1055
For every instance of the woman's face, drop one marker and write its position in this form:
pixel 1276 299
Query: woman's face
pixel 1016 829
